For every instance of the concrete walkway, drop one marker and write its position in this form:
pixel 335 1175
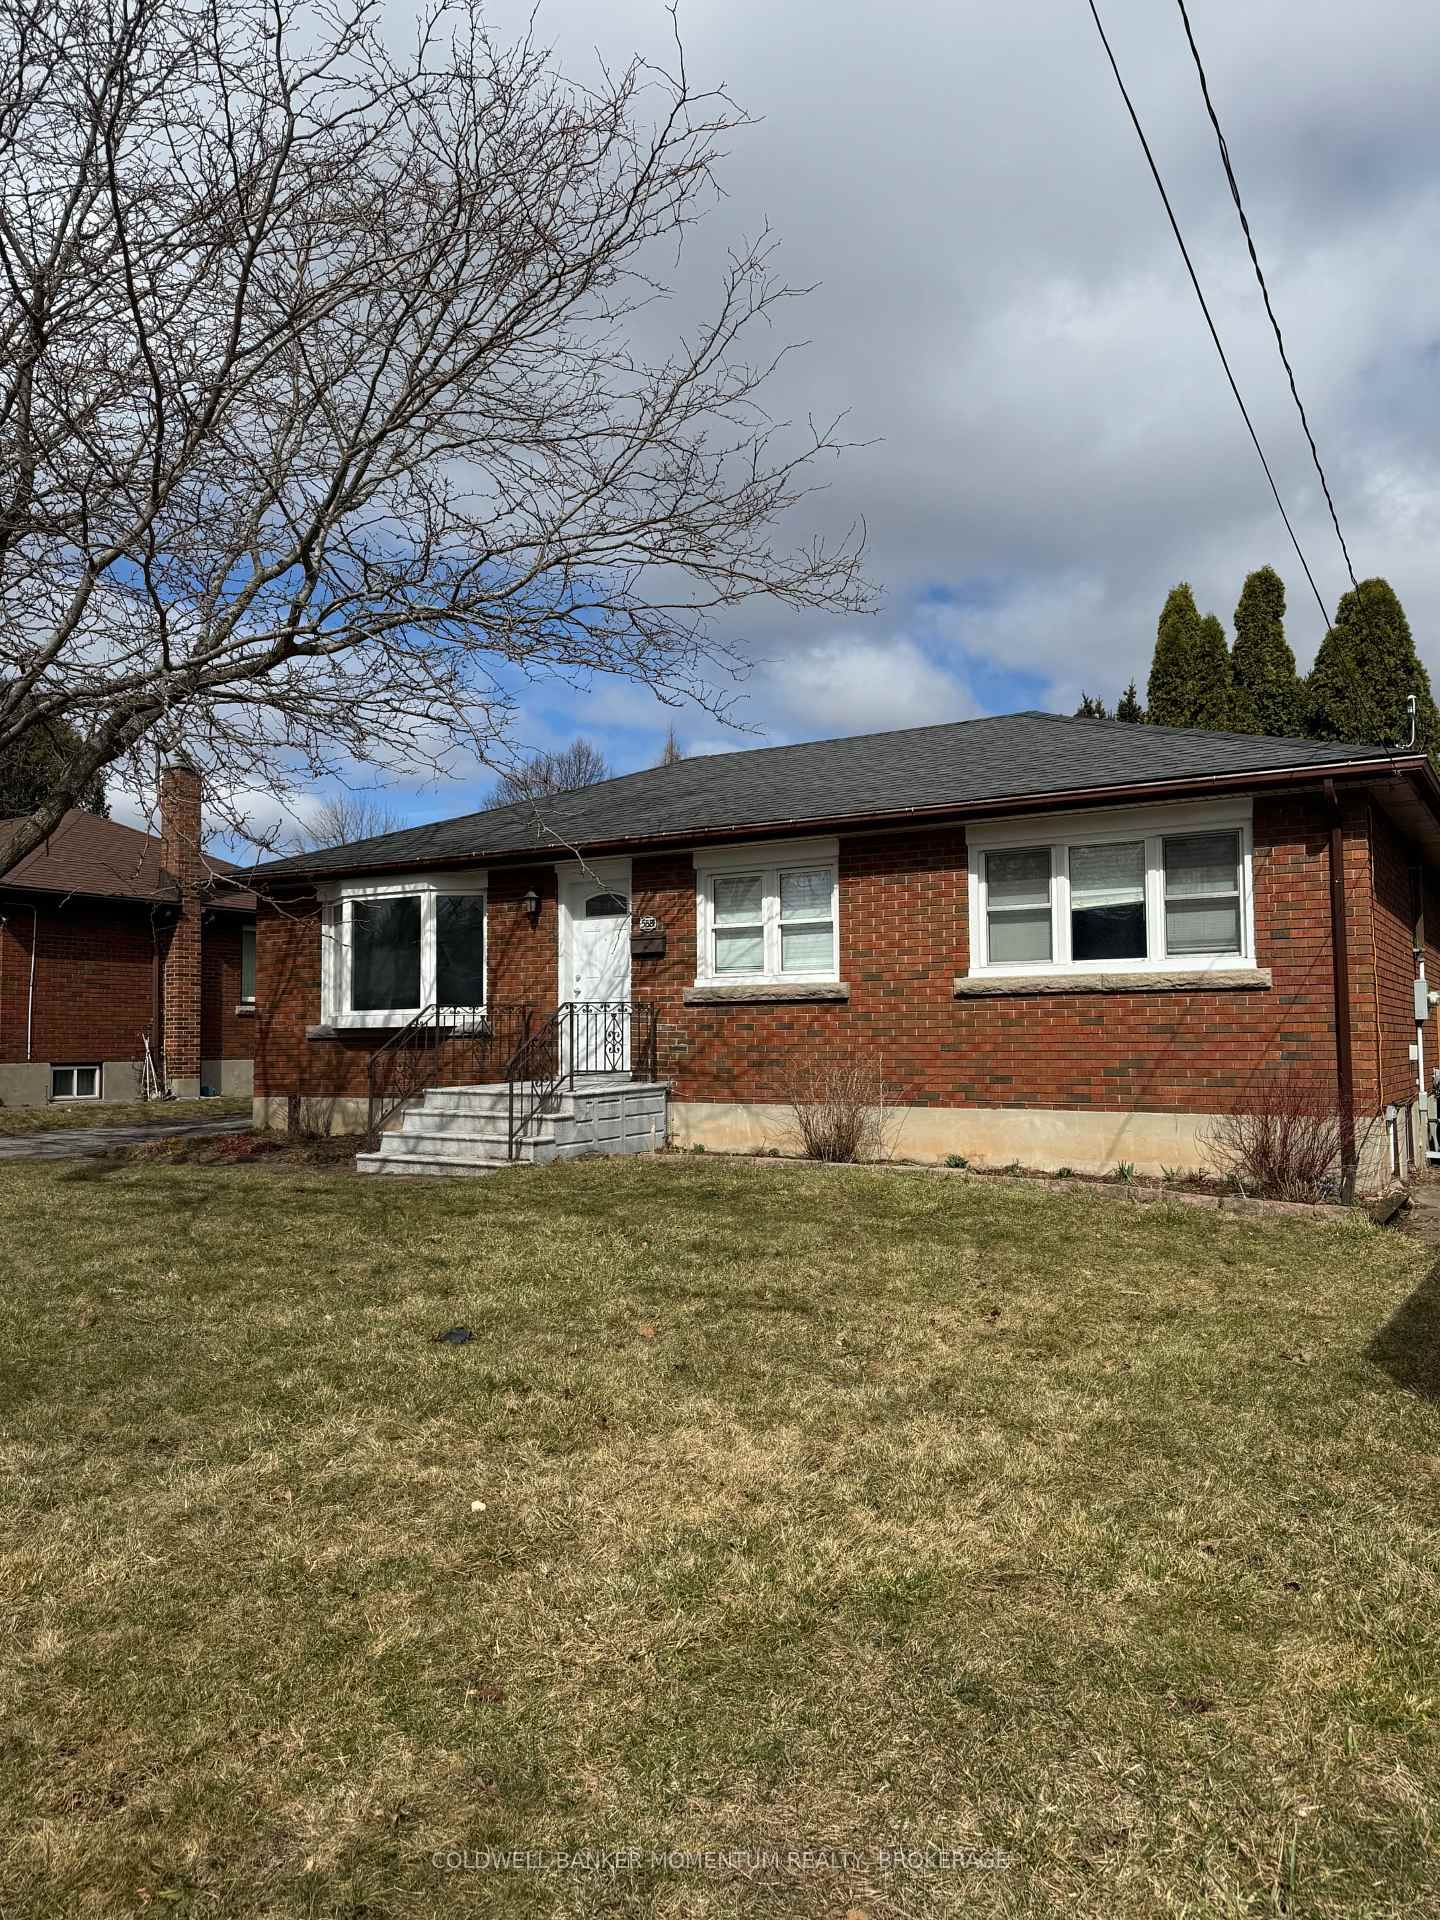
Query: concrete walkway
pixel 88 1143
pixel 1422 1218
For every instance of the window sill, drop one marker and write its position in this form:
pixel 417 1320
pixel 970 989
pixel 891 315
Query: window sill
pixel 1177 980
pixel 759 992
pixel 349 1030
pixel 245 1010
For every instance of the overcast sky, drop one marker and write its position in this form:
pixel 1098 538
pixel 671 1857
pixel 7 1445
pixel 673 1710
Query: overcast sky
pixel 1002 309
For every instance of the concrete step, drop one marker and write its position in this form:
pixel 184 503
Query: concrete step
pixel 487 1102
pixel 413 1167
pixel 427 1123
pixel 490 1149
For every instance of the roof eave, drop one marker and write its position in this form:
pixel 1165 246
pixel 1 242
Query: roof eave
pixel 1052 801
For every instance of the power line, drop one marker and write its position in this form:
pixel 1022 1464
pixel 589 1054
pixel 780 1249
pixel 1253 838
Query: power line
pixel 1264 290
pixel 1204 308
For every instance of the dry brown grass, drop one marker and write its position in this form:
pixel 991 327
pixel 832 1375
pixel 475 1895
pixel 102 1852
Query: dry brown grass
pixel 64 1114
pixel 819 1509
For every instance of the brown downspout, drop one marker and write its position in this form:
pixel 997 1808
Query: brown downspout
pixel 1340 954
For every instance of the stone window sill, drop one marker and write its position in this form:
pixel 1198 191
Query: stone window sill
pixel 342 1030
pixel 245 1010
pixel 1180 980
pixel 762 993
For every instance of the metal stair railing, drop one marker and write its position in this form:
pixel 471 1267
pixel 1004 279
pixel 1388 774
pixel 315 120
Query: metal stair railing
pixel 581 1038
pixel 440 1045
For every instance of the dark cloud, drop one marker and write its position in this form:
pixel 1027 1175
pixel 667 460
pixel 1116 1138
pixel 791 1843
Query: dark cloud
pixel 1002 311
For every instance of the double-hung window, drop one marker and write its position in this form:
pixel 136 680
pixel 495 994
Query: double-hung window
pixel 1163 889
pixel 1204 888
pixel 395 948
pixel 768 920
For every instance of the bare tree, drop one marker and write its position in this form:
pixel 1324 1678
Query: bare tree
pixel 670 752
pixel 323 421
pixel 580 764
pixel 347 817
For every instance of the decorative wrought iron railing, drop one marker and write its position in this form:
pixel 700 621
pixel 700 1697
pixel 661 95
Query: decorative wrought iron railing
pixel 441 1047
pixel 581 1037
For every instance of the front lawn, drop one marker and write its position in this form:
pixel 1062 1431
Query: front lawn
pixel 769 1508
pixel 59 1114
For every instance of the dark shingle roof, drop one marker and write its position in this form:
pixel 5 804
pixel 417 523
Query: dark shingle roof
pixel 103 859
pixel 964 765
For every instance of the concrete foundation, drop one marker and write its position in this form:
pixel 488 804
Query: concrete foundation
pixel 24 1084
pixel 318 1113
pixel 1047 1138
pixel 27 1083
pixel 229 1077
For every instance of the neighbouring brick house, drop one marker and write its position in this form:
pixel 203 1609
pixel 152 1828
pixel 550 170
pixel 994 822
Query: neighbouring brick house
pixel 108 935
pixel 1065 942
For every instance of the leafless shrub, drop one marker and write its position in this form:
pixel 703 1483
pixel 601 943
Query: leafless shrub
pixel 1282 1141
pixel 841 1108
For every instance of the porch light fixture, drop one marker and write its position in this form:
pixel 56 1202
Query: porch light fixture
pixel 531 904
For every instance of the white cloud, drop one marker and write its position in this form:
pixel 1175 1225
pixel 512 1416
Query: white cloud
pixel 854 683
pixel 1001 306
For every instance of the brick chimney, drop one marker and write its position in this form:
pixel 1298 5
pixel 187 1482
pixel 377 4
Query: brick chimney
pixel 181 859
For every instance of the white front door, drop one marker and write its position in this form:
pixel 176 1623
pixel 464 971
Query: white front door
pixel 597 976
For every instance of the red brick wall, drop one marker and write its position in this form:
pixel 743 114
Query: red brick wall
pixel 93 983
pixel 1389 1073
pixel 521 970
pixel 904 937
pixel 224 1033
pixel 287 1000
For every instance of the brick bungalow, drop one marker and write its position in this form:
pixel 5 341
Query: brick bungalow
pixel 108 934
pixel 1067 942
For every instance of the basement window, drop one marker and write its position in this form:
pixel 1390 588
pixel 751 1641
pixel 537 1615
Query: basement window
pixel 74 1083
pixel 1160 889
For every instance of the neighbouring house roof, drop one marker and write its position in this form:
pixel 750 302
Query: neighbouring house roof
pixel 969 767
pixel 102 859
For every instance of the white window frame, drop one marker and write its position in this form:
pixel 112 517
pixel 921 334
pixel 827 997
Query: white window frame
pixel 1152 825
pixel 337 955
pixel 769 861
pixel 80 1066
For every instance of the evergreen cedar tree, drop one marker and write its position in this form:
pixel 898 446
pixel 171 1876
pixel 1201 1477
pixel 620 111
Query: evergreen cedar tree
pixel 30 771
pixel 1210 683
pixel 1190 672
pixel 1267 695
pixel 1366 666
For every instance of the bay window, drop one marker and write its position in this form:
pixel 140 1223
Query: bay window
pixel 392 949
pixel 1157 889
pixel 768 920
